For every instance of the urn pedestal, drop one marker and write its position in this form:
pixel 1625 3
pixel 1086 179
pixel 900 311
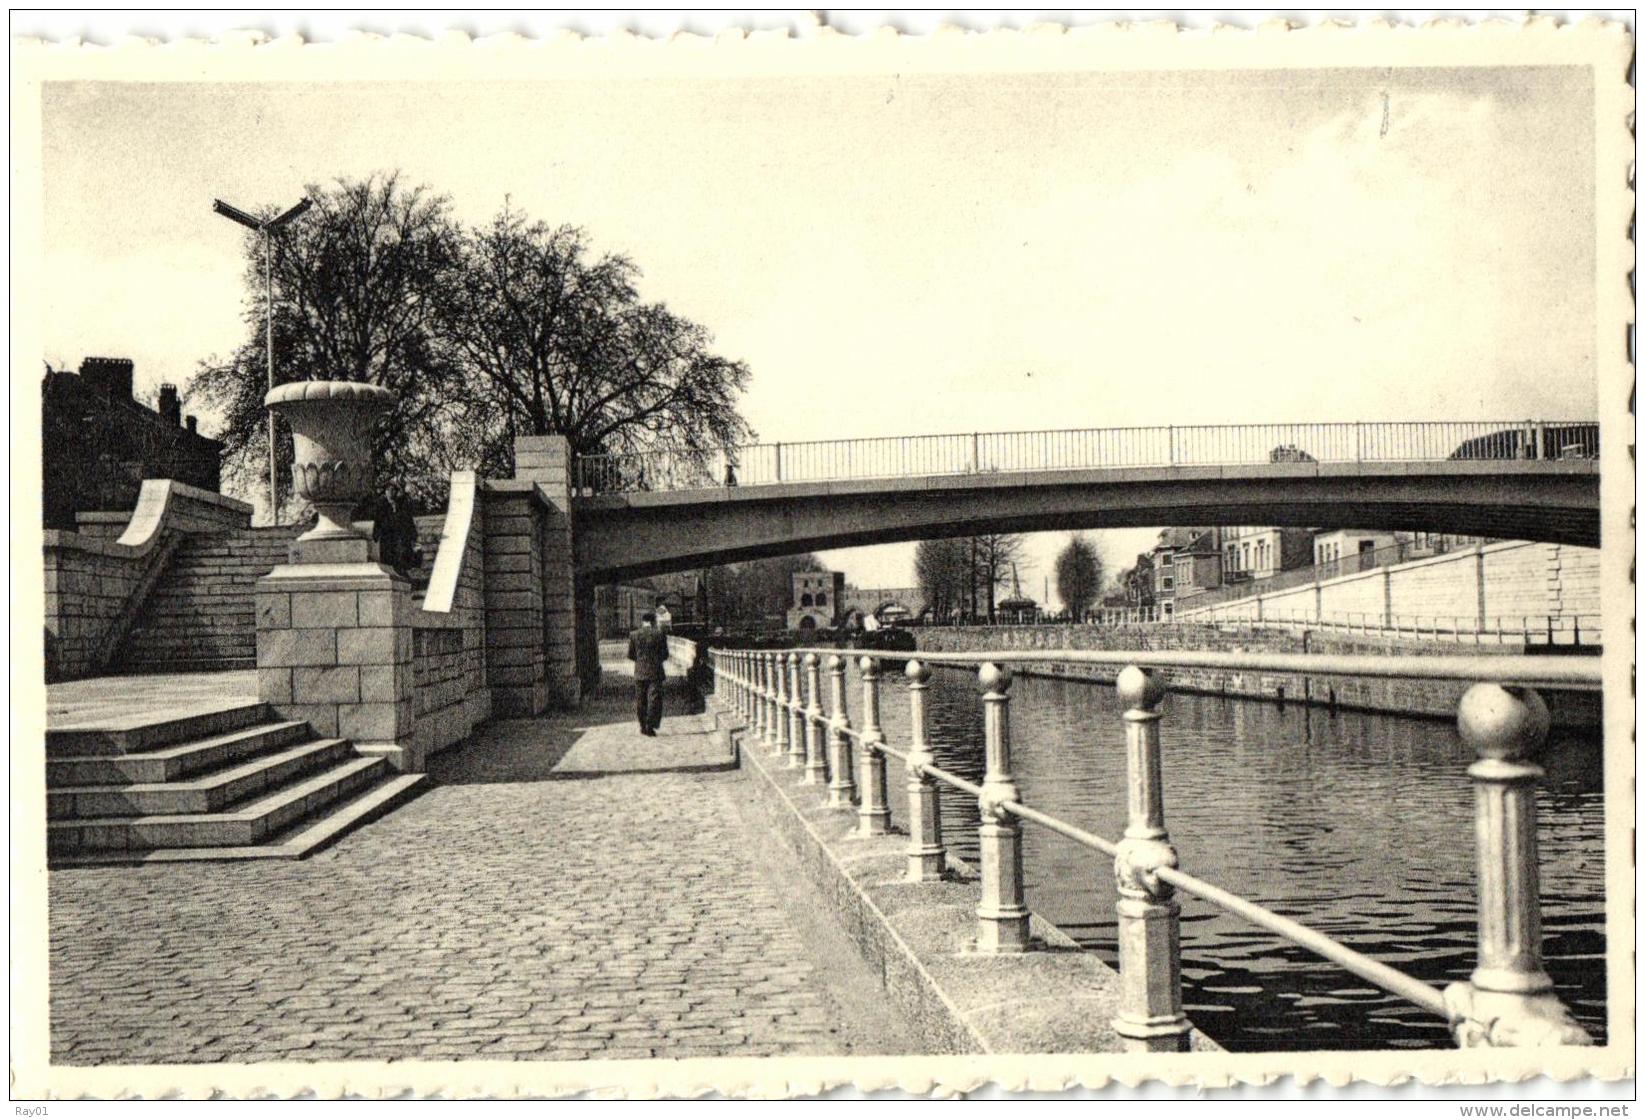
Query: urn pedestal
pixel 334 627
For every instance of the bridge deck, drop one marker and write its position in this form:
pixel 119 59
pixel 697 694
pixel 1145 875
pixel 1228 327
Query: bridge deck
pixel 567 889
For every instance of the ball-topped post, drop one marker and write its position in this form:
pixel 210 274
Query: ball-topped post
pixel 874 812
pixel 1002 916
pixel 796 714
pixel 1150 1014
pixel 1509 999
pixel 816 769
pixel 925 847
pixel 842 786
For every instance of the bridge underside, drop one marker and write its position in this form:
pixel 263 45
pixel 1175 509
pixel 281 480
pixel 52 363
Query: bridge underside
pixel 629 535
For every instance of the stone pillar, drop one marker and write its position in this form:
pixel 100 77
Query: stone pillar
pixel 334 647
pixel 513 601
pixel 546 461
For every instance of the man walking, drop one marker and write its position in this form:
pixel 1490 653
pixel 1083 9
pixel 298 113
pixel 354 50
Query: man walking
pixel 648 649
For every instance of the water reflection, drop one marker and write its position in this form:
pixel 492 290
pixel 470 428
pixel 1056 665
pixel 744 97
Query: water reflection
pixel 1360 825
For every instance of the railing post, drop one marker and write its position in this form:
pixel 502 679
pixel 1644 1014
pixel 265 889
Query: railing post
pixel 816 770
pixel 873 813
pixel 925 850
pixel 779 713
pixel 796 714
pixel 773 697
pixel 779 449
pixel 756 694
pixel 1509 1000
pixel 1150 953
pixel 1002 919
pixel 842 787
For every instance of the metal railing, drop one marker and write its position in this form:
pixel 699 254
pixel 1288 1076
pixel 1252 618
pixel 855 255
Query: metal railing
pixel 1084 449
pixel 1509 999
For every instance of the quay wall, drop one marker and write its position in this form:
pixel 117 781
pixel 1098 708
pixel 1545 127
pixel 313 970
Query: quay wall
pixel 1431 698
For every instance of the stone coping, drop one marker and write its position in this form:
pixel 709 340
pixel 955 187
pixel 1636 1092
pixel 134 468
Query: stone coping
pixel 454 534
pixel 146 522
pixel 1056 998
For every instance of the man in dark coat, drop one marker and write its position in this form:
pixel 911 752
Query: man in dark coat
pixel 648 649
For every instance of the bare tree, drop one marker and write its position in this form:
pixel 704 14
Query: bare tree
pixel 562 343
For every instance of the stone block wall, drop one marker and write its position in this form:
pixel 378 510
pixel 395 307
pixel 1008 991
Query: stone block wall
pixel 336 650
pixel 451 695
pixel 546 462
pixel 513 596
pixel 94 579
pixel 89 581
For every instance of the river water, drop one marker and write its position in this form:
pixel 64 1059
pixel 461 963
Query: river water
pixel 1358 825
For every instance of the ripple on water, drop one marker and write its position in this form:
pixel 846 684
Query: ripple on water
pixel 1357 824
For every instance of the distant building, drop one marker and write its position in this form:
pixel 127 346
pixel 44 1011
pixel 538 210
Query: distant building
pixel 817 600
pixel 1252 552
pixel 1341 551
pixel 99 443
pixel 1186 562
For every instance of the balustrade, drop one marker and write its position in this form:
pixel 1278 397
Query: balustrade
pixel 1509 1000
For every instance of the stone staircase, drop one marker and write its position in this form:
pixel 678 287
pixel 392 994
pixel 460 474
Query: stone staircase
pixel 200 614
pixel 238 783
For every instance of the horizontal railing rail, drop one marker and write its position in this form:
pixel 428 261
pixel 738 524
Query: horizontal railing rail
pixel 961 453
pixel 1509 999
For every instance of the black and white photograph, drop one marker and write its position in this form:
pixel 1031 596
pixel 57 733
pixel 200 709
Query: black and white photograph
pixel 783 561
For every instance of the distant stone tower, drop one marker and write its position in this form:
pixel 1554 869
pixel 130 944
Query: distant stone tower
pixel 815 601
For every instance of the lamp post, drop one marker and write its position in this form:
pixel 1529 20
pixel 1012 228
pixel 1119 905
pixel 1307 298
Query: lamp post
pixel 266 228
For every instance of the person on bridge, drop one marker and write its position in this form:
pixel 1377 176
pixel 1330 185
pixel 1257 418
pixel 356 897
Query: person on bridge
pixel 648 649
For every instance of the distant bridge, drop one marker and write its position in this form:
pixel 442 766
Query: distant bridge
pixel 662 511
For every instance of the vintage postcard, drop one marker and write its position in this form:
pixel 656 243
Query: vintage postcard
pixel 775 563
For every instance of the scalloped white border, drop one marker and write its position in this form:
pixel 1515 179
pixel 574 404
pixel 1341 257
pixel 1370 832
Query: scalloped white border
pixel 805 45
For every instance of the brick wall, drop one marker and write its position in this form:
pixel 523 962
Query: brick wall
pixel 1404 697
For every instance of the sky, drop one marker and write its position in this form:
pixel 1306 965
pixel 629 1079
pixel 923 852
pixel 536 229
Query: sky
pixel 897 254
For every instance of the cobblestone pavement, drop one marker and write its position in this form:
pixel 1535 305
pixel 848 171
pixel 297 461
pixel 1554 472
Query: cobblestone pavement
pixel 567 890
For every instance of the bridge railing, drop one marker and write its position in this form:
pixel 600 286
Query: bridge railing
pixel 1508 1001
pixel 1084 449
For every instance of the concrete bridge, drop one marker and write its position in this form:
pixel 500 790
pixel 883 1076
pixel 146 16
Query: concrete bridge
pixel 621 535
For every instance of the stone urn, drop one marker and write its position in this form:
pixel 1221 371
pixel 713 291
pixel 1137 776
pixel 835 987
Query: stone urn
pixel 331 425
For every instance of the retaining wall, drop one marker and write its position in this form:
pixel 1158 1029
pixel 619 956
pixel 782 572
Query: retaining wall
pixel 1483 587
pixel 94 582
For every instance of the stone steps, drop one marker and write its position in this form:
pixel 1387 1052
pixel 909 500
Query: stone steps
pixel 207 794
pixel 88 742
pixel 174 762
pixel 234 784
pixel 242 826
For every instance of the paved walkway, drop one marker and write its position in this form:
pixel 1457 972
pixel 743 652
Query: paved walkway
pixel 567 890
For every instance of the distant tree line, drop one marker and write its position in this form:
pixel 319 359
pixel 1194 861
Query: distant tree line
pixel 755 591
pixel 964 574
pixel 514 327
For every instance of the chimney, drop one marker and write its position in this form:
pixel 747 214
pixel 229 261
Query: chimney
pixel 190 421
pixel 171 409
pixel 112 376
